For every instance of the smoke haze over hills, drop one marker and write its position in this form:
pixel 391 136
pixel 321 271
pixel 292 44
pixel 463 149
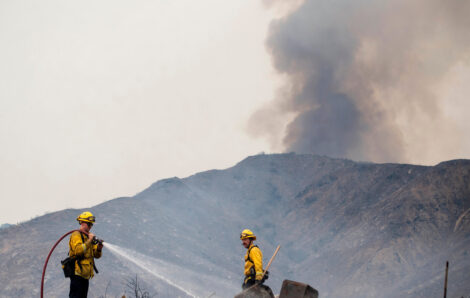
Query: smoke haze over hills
pixel 371 80
pixel 96 102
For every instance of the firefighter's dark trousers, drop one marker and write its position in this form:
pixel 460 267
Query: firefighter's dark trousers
pixel 78 287
pixel 248 283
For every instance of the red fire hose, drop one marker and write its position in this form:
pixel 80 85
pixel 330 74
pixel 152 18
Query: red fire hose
pixel 49 255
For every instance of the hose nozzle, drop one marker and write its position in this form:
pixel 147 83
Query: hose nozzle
pixel 97 240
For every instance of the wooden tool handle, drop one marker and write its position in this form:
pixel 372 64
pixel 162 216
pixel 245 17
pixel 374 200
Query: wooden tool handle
pixel 271 260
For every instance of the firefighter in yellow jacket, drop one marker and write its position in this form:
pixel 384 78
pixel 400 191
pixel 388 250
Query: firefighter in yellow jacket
pixel 85 248
pixel 253 260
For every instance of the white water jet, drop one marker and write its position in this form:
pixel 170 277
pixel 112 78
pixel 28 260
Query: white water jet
pixel 126 253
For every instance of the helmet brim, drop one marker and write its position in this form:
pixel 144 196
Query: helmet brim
pixel 248 237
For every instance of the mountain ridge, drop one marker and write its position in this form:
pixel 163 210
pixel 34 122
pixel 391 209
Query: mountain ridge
pixel 354 229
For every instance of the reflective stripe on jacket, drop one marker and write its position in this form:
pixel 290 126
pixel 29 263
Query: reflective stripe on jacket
pixel 255 261
pixel 85 253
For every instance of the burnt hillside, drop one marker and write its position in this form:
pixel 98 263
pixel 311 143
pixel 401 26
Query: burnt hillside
pixel 349 229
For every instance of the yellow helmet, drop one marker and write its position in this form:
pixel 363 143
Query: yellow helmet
pixel 86 216
pixel 247 234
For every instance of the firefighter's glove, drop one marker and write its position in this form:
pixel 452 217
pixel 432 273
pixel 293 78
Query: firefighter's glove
pixel 266 276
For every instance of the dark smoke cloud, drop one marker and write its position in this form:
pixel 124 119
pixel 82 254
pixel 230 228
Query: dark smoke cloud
pixel 361 75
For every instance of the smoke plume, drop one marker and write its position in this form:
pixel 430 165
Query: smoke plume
pixel 363 77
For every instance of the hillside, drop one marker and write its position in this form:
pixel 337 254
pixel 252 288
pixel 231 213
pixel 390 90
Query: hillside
pixel 347 228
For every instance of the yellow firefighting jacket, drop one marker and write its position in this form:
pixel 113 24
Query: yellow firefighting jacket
pixel 253 263
pixel 86 254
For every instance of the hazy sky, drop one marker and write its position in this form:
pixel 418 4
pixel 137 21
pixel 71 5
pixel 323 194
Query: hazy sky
pixel 99 99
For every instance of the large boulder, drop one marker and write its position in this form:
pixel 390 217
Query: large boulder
pixel 294 289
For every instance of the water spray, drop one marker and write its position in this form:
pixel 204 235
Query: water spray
pixel 121 252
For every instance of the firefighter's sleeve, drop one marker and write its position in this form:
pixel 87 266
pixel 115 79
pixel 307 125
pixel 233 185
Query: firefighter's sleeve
pixel 77 247
pixel 96 252
pixel 257 257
